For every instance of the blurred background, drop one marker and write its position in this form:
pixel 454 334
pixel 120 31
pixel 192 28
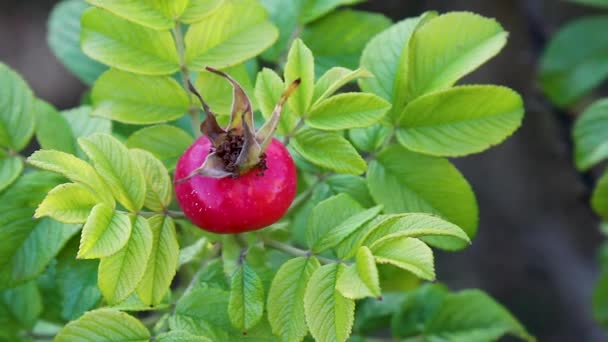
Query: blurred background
pixel 536 250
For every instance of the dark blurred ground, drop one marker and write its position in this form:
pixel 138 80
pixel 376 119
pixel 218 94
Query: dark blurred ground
pixel 537 242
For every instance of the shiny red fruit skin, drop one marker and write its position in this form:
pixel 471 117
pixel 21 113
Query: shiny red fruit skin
pixel 234 205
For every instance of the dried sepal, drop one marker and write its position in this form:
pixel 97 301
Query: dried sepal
pixel 264 135
pixel 213 167
pixel 241 105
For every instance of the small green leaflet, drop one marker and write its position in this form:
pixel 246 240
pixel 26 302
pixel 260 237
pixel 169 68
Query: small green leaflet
pixel 17 114
pixel 334 79
pixel 197 10
pixel 328 150
pixel 268 89
pixel 158 181
pixel 599 198
pixel 347 110
pixel 68 203
pixel 10 169
pixel 105 233
pixel 120 273
pixel 300 65
pixel 286 298
pixel 146 13
pixel 119 171
pixel 361 279
pixel 246 304
pixel 329 314
pixel 50 122
pixel 407 253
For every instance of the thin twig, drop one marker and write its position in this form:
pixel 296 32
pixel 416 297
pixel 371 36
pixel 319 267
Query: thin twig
pixel 295 251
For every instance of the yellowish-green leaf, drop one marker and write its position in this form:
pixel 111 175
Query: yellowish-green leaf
pixel 348 110
pixel 127 46
pixel 329 314
pixel 120 172
pixel 138 99
pixel 406 253
pixel 300 65
pixel 329 150
pixel 162 264
pixel 105 233
pixel 268 89
pixel 146 13
pixel 237 31
pixel 591 135
pixel 119 274
pixel 448 47
pixel 106 325
pixel 68 203
pixel 361 279
pixel 76 170
pixel 460 121
pixel 432 229
pixel 158 182
pixel 198 10
pixel 286 298
pixel 334 79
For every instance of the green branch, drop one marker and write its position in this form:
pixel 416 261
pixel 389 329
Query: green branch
pixel 193 110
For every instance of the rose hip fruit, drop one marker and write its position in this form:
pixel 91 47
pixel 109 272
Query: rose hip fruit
pixel 236 179
pixel 250 201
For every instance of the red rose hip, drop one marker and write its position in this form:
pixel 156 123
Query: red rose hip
pixel 250 201
pixel 236 179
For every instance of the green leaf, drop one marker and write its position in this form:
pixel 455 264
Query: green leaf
pixel 32 255
pixel 49 123
pixel 120 172
pixel 107 325
pixel 354 186
pixel 353 29
pixel 197 10
pixel 105 233
pixel 146 13
pixel 10 169
pixel 162 265
pixel 127 46
pixel 599 198
pixel 338 233
pixel 390 65
pixel 158 182
pixel 406 253
pixel 369 139
pixel 24 303
pixel 17 205
pixel 328 214
pixel 567 73
pixel 246 304
pixel 314 9
pixel 138 99
pixel 334 79
pixel 218 93
pixel 286 298
pixel 236 32
pixel 268 89
pixel 348 110
pixel 205 303
pixel 181 336
pixel 433 230
pixel 192 252
pixel 120 273
pixel 76 170
pixel 17 119
pixel 64 40
pixel 329 315
pixel 77 282
pixel 404 181
pixel 83 124
pixel 472 315
pixel 460 120
pixel 361 279
pixel 300 65
pixel 596 3
pixel 590 135
pixel 448 47
pixel 328 150
pixel 68 203
pixel 416 308
pixel 165 142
